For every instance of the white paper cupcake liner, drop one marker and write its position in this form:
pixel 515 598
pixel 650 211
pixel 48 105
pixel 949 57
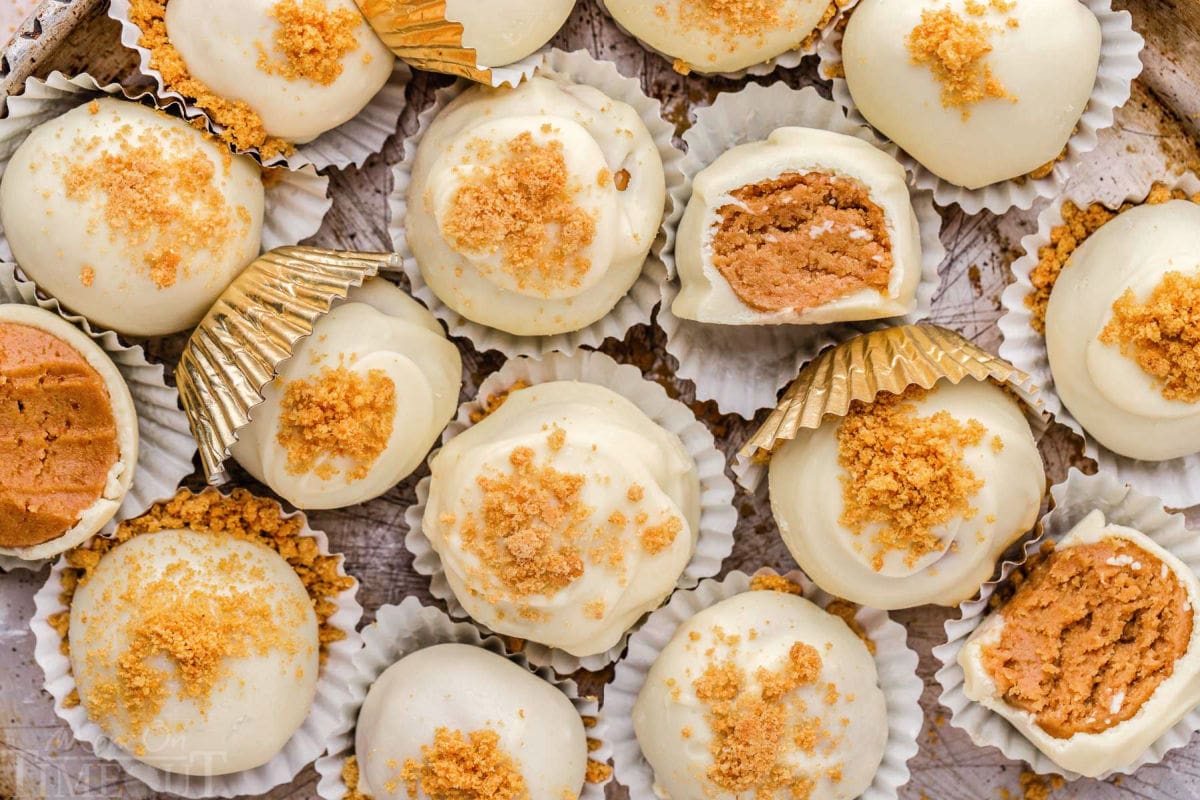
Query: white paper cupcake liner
pixel 743 367
pixel 351 143
pixel 165 448
pixel 787 60
pixel 1074 499
pixel 637 306
pixel 400 630
pixel 305 745
pixel 1120 64
pixel 895 661
pixel 295 206
pixel 717 515
pixel 1175 481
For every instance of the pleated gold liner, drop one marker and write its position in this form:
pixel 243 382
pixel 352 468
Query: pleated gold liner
pixel 251 329
pixel 889 360
pixel 418 32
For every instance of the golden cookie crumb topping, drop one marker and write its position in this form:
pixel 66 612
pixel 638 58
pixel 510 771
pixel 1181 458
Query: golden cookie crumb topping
pixel 1163 334
pixel 458 766
pixel 801 241
pixel 338 414
pixel 313 39
pixel 904 473
pixel 955 50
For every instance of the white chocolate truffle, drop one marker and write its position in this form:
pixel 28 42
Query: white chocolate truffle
pixel 503 31
pixel 68 434
pixel 466 709
pixel 909 500
pixel 130 217
pixel 1003 107
pixel 356 408
pixel 563 516
pixel 784 690
pixel 532 210
pixel 807 227
pixel 257 52
pixel 1108 654
pixel 1097 368
pixel 721 37
pixel 197 653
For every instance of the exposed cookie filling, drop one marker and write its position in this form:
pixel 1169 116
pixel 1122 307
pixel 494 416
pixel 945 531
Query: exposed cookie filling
pixel 1089 636
pixel 956 49
pixel 339 413
pixel 801 241
pixel 58 435
pixel 904 474
pixel 520 204
pixel 1163 334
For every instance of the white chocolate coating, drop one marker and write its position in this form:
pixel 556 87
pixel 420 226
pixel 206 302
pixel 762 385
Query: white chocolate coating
pixel 120 477
pixel 706 295
pixel 706 43
pixel 379 327
pixel 56 238
pixel 597 134
pixel 1048 62
pixel 1112 397
pixel 667 703
pixel 807 501
pixel 614 445
pixel 259 700
pixel 464 688
pixel 1094 754
pixel 503 31
pixel 221 42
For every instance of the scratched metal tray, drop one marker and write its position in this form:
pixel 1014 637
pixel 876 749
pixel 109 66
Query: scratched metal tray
pixel 1156 132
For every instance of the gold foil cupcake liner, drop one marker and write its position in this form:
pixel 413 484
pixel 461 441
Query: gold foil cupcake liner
pixel 1177 480
pixel 1071 501
pixel 889 360
pixel 253 327
pixel 895 661
pixel 305 745
pixel 418 32
pixel 400 630
pixel 1120 65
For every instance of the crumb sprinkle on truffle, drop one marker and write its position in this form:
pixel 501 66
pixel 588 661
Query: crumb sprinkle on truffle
pixel 1162 334
pixel 313 40
pixel 458 766
pixel 955 50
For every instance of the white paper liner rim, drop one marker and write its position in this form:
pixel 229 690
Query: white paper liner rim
pixel 402 629
pixel 294 207
pixel 165 447
pixel 306 744
pixel 726 362
pixel 895 661
pixel 1074 499
pixel 1120 64
pixel 349 144
pixel 1176 481
pixel 636 307
pixel 718 517
pixel 789 59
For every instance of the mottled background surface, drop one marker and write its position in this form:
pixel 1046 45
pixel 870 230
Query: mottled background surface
pixel 1155 135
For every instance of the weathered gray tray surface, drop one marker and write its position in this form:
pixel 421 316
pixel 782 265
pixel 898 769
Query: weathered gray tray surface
pixel 1155 135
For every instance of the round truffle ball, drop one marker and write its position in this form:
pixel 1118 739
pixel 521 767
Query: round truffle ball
pixel 453 716
pixel 63 484
pixel 303 67
pixel 563 516
pixel 503 31
pixel 1121 332
pixel 977 92
pixel 358 405
pixel 131 218
pixel 910 499
pixel 532 210
pixel 197 653
pixel 807 227
pixel 760 694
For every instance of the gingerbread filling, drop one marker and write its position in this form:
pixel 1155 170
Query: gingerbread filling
pixel 802 241
pixel 1089 636
pixel 58 436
